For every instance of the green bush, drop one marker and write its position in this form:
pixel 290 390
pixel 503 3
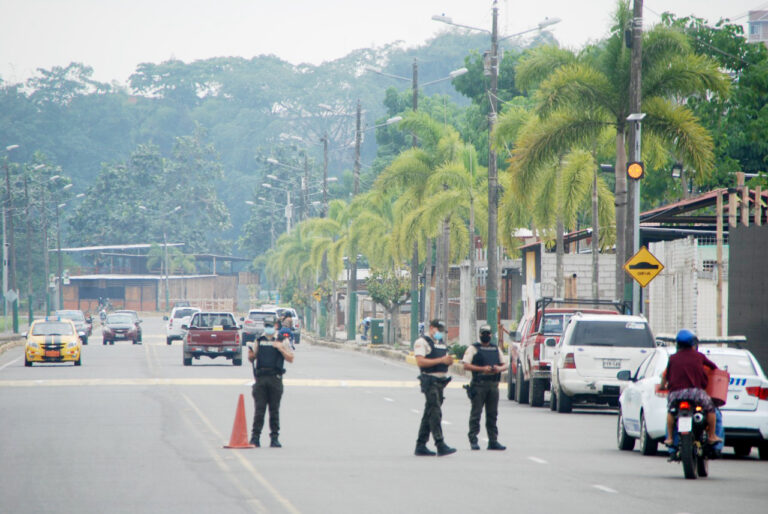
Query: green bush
pixel 457 350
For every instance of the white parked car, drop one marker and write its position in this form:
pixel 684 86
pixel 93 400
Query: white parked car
pixel 179 316
pixel 643 410
pixel 593 349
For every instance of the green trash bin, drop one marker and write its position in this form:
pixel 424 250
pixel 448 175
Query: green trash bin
pixel 377 331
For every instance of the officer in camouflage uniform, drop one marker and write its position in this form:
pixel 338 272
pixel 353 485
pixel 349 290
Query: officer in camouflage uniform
pixel 486 362
pixel 433 359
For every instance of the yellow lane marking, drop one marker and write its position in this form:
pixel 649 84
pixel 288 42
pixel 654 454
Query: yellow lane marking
pixel 287 505
pixel 290 382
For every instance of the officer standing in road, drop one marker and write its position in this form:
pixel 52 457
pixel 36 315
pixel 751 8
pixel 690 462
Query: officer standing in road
pixel 433 359
pixel 486 362
pixel 268 355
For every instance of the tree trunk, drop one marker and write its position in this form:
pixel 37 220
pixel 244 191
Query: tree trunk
pixel 559 251
pixel 473 311
pixel 333 316
pixel 438 275
pixel 595 239
pixel 351 287
pixel 620 202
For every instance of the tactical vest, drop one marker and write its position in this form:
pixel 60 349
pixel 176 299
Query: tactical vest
pixel 269 361
pixel 486 356
pixel 437 350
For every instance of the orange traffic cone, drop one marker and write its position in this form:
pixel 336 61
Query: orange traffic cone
pixel 239 438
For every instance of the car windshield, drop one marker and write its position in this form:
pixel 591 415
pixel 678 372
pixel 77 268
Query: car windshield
pixel 132 314
pixel 120 319
pixel 260 316
pixel 734 364
pixel 73 315
pixel 554 323
pixel 635 334
pixel 52 328
pixel 210 320
pixel 183 313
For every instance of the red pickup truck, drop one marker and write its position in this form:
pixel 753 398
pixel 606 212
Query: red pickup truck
pixel 212 334
pixel 530 372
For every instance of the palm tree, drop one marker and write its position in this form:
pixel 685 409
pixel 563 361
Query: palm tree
pixel 581 96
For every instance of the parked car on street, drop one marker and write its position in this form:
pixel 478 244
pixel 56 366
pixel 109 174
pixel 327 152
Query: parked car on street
pixel 643 408
pixel 120 326
pixel 593 349
pixel 212 334
pixel 52 340
pixel 253 323
pixel 179 316
pixel 531 366
pixel 83 324
pixel 136 320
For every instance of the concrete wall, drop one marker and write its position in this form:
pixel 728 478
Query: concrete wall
pixel 578 269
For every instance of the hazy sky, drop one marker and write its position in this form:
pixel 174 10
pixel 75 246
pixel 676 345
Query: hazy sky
pixel 113 36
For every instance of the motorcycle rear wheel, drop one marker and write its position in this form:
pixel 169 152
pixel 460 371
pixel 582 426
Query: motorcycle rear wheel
pixel 688 456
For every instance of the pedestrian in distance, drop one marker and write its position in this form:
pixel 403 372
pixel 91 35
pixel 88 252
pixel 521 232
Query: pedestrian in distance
pixel 268 355
pixel 486 362
pixel 433 359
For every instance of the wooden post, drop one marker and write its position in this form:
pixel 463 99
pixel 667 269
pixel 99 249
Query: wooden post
pixel 719 285
pixel 758 206
pixel 732 207
pixel 744 195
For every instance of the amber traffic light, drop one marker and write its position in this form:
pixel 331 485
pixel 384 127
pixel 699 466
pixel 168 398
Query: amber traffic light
pixel 635 170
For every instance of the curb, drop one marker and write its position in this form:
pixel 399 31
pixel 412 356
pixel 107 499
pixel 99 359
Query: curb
pixel 8 342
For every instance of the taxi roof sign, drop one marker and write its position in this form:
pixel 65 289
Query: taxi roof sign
pixel 643 266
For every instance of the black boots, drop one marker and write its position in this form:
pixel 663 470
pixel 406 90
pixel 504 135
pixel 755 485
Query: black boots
pixel 255 441
pixel 444 449
pixel 473 445
pixel 275 443
pixel 495 445
pixel 422 451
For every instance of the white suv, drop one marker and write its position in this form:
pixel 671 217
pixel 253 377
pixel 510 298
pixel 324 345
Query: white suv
pixel 179 316
pixel 593 349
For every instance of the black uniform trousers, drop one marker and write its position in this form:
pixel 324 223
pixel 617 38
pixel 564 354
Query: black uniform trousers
pixel 486 395
pixel 433 415
pixel 267 392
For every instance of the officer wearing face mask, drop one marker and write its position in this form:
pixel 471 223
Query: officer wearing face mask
pixel 268 355
pixel 433 359
pixel 486 362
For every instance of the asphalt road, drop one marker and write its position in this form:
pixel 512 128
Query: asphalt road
pixel 132 430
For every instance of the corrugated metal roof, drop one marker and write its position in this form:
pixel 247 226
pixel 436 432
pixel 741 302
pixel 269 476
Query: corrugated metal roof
pixel 134 277
pixel 114 247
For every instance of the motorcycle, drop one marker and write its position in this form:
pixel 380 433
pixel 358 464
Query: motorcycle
pixel 691 446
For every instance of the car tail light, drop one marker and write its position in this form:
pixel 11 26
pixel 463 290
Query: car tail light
pixel 170 323
pixel 537 351
pixel 249 322
pixel 237 338
pixel 189 338
pixel 760 392
pixel 684 405
pixel 570 362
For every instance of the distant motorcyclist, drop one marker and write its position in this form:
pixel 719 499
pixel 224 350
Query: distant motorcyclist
pixel 686 379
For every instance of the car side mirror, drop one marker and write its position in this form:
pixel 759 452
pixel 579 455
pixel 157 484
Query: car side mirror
pixel 165 318
pixel 517 337
pixel 624 375
pixel 89 319
pixel 23 334
pixel 242 319
pixel 185 327
pixel 550 341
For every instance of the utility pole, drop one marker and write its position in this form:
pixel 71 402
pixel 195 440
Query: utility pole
pixel 632 229
pixel 491 281
pixel 58 255
pixel 12 247
pixel 305 189
pixel 324 139
pixel 29 249
pixel 415 254
pixel 352 278
pixel 45 254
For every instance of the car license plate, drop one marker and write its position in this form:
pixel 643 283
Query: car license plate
pixel 684 424
pixel 612 363
pixel 213 349
pixel 52 353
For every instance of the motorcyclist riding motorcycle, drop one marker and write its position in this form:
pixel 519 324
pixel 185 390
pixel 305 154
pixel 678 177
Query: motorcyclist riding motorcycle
pixel 686 378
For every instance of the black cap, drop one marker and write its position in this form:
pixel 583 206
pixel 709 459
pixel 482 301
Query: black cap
pixel 437 324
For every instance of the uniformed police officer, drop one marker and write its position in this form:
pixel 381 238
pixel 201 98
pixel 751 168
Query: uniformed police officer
pixel 268 355
pixel 433 359
pixel 486 362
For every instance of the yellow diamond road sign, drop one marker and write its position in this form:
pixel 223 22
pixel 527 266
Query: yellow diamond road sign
pixel 643 266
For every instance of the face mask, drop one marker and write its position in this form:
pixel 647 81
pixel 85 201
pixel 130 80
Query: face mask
pixel 485 338
pixel 270 331
pixel 439 336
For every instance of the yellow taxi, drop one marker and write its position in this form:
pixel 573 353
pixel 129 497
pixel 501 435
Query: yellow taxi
pixel 52 340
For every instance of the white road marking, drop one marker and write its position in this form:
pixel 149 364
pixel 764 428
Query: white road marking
pixel 537 460
pixel 287 505
pixel 17 359
pixel 605 489
pixel 289 382
pixel 388 399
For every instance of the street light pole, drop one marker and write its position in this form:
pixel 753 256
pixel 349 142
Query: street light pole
pixel 58 252
pixel 324 139
pixel 491 284
pixel 9 215
pixel 352 277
